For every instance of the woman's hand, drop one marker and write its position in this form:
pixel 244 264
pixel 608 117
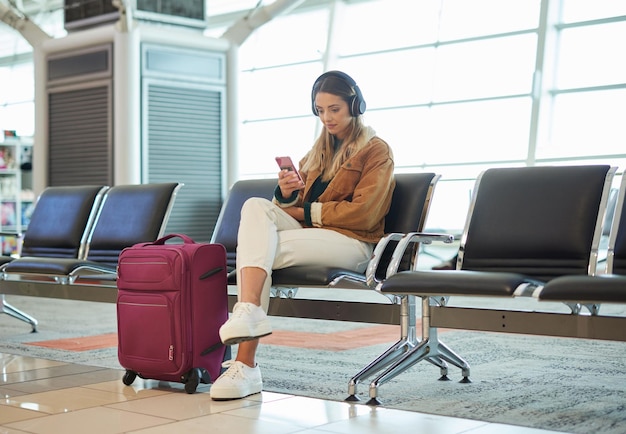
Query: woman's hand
pixel 288 182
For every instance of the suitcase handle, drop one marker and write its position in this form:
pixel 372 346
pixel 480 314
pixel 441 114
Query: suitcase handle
pixel 186 239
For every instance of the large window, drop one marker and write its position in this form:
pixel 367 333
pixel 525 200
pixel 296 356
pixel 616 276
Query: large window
pixel 17 93
pixel 17 83
pixel 586 95
pixel 454 86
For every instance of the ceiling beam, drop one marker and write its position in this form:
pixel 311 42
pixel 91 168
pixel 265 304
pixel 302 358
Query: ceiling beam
pixel 20 22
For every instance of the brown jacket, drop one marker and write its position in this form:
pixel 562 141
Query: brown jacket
pixel 358 197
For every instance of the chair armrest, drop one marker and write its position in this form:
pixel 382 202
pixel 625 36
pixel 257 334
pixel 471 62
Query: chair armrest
pixel 408 240
pixel 374 263
pixel 12 234
pixel 93 271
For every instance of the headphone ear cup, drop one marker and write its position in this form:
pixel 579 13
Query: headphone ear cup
pixel 354 106
pixel 313 108
pixel 357 106
pixel 362 106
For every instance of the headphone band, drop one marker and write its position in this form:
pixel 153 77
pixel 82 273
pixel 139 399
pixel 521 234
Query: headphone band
pixel 357 103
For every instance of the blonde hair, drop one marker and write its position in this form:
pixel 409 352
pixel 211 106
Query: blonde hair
pixel 322 155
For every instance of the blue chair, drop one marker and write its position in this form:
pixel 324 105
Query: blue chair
pixel 58 228
pixel 129 214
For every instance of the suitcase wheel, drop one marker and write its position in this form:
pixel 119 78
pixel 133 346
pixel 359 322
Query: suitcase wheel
pixel 191 380
pixel 195 377
pixel 129 377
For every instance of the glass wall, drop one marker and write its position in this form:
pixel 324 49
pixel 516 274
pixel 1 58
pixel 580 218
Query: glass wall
pixel 17 93
pixel 454 86
pixel 17 85
pixel 453 89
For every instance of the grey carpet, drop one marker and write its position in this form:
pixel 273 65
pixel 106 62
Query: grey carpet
pixel 569 385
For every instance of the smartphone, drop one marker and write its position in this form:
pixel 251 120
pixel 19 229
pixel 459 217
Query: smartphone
pixel 286 163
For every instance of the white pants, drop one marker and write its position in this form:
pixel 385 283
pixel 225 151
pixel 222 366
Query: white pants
pixel 269 238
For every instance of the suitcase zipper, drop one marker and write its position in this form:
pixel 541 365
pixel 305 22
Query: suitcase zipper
pixel 211 273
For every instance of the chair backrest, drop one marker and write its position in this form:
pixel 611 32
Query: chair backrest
pixel 130 214
pixel 409 208
pixel 616 258
pixel 540 221
pixel 227 225
pixel 61 220
pixel 410 202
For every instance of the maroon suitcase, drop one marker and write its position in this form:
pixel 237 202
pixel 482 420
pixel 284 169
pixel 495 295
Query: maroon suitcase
pixel 172 300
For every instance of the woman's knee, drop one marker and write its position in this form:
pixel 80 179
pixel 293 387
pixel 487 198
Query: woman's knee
pixel 255 206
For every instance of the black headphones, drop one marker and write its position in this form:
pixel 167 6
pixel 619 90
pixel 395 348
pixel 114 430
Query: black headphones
pixel 356 104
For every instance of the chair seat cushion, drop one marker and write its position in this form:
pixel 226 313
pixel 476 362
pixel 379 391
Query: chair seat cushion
pixel 52 266
pixel 303 275
pixel 595 289
pixel 5 259
pixel 455 282
pixel 308 275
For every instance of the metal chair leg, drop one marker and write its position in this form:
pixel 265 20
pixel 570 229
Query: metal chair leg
pixel 392 354
pixel 442 365
pixel 430 349
pixel 16 313
pixel 408 340
pixel 447 354
pixel 409 359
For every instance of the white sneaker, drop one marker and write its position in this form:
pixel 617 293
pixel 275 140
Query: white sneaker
pixel 247 322
pixel 237 382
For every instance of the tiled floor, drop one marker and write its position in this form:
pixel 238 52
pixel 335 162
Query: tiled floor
pixel 42 396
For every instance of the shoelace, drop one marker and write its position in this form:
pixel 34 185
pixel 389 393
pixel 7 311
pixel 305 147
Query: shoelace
pixel 240 310
pixel 233 371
